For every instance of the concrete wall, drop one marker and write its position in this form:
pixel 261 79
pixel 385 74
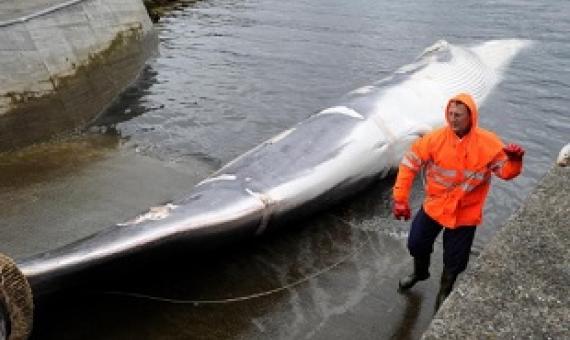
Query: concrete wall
pixel 62 63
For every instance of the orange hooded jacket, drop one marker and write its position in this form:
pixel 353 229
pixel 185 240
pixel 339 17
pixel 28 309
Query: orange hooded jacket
pixel 457 170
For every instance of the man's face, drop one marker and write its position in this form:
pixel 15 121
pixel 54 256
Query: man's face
pixel 459 118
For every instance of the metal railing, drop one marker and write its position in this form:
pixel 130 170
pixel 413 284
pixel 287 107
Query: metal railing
pixel 40 13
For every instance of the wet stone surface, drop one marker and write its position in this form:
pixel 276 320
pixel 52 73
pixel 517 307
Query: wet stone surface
pixel 333 275
pixel 518 288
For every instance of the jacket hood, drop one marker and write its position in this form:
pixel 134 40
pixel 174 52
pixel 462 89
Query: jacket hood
pixel 468 100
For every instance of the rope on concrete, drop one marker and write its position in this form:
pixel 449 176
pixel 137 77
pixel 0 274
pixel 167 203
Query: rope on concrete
pixel 44 11
pixel 16 297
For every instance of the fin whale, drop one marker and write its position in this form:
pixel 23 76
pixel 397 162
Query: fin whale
pixel 320 160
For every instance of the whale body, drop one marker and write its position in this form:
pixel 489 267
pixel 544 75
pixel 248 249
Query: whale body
pixel 321 160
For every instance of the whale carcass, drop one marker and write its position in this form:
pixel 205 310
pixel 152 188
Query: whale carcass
pixel 319 161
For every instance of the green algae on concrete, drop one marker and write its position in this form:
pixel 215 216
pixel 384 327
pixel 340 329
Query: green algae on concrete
pixel 77 98
pixel 123 40
pixel 519 287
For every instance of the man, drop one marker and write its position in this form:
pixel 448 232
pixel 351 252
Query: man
pixel 458 161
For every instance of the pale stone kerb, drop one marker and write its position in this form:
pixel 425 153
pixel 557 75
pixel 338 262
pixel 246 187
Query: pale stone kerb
pixel 518 287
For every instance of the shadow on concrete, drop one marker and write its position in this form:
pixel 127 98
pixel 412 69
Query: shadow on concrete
pixel 410 316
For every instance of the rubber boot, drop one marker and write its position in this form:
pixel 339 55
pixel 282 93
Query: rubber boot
pixel 421 272
pixel 445 287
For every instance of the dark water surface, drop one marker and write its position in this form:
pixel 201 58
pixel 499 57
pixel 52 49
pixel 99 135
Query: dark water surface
pixel 230 75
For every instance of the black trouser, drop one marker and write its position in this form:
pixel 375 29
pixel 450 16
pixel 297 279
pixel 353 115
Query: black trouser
pixel 4 322
pixel 456 242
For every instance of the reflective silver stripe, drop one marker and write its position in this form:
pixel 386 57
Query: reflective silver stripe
pixel 496 165
pixel 446 177
pixel 443 176
pixel 442 183
pixel 479 175
pixel 406 162
pixel 414 158
pixel 470 186
pixel 412 161
pixel 444 171
pixel 434 177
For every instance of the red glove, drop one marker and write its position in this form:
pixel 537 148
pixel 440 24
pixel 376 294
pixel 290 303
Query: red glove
pixel 402 210
pixel 514 152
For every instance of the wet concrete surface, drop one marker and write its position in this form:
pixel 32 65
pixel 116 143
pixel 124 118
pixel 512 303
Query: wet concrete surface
pixel 330 276
pixel 518 288
pixel 57 192
pixel 324 280
pixel 334 291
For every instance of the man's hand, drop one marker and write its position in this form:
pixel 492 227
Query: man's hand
pixel 402 210
pixel 514 152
